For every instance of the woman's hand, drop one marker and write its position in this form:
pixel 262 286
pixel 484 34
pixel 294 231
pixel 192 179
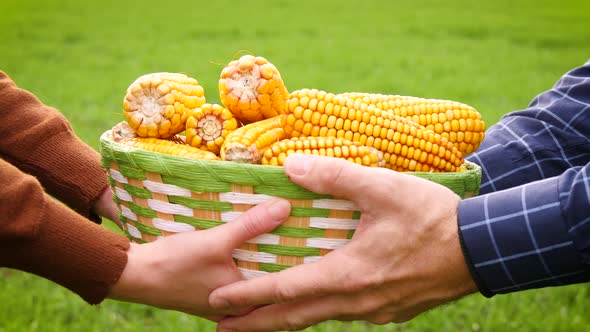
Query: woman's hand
pixel 106 207
pixel 179 271
pixel 405 256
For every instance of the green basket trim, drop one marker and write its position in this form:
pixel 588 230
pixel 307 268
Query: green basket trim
pixel 104 161
pixel 356 215
pixel 217 176
pixel 145 229
pixel 272 267
pixel 116 199
pixel 350 234
pixel 202 173
pixel 199 183
pixel 124 230
pixel 201 204
pixel 111 181
pixel 288 250
pixel 281 230
pixel 132 172
pixel 309 212
pixel 142 211
pixel 198 222
pixel 137 192
pixel 298 232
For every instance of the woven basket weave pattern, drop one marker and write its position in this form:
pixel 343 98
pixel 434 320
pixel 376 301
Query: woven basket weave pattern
pixel 160 195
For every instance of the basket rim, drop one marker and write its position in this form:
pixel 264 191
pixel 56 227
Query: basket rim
pixel 221 171
pixel 108 144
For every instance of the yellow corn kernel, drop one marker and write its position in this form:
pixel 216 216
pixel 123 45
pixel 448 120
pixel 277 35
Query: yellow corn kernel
pixel 173 147
pixel 247 144
pixel 383 130
pixel 337 147
pixel 252 89
pixel 156 104
pixel 449 118
pixel 208 126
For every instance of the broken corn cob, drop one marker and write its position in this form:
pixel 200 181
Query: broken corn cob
pixel 406 145
pixel 246 144
pixel 170 147
pixel 208 126
pixel 122 131
pixel 323 146
pixel 155 104
pixel 252 89
pixel 461 124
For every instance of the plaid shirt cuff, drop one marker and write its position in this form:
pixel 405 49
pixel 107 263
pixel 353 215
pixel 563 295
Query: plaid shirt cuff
pixel 517 239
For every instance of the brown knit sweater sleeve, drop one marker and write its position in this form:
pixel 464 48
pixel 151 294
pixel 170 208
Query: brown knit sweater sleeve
pixel 40 235
pixel 38 140
pixel 37 233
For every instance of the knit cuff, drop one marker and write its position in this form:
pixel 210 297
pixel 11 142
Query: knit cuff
pixel 71 251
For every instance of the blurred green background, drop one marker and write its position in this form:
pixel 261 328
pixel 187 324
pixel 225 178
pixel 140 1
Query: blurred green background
pixel 80 56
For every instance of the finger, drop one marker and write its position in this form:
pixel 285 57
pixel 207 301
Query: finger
pixel 256 221
pixel 295 283
pixel 335 176
pixel 291 316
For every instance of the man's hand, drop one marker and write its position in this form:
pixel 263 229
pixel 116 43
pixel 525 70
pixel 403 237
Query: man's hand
pixel 404 258
pixel 180 271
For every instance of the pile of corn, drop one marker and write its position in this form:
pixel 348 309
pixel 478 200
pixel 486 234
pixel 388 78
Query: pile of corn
pixel 261 122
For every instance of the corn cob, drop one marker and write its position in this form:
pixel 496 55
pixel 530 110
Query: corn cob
pixel 406 145
pixel 122 131
pixel 170 147
pixel 155 104
pixel 252 89
pixel 323 146
pixel 461 124
pixel 246 144
pixel 208 126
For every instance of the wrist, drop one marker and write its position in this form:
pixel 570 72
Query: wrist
pixel 459 281
pixel 132 282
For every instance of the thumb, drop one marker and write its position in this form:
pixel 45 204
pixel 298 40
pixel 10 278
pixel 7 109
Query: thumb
pixel 258 220
pixel 334 176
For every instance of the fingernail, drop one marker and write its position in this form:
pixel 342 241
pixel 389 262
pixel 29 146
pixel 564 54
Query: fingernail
pixel 278 208
pixel 298 164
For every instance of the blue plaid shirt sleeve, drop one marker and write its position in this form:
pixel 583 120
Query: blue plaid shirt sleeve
pixel 530 225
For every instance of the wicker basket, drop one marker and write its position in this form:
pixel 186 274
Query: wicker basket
pixel 160 195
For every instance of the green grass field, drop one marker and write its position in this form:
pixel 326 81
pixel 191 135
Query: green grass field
pixel 80 56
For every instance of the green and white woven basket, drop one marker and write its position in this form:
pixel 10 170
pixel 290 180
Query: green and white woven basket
pixel 160 195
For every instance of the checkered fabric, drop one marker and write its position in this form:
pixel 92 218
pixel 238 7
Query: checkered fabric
pixel 530 226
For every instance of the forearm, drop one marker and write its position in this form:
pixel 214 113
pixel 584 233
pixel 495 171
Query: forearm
pixel 541 141
pixel 38 140
pixel 41 236
pixel 529 236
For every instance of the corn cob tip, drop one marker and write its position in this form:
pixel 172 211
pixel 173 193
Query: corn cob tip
pixel 246 144
pixel 121 131
pixel 155 104
pixel 252 89
pixel 208 126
